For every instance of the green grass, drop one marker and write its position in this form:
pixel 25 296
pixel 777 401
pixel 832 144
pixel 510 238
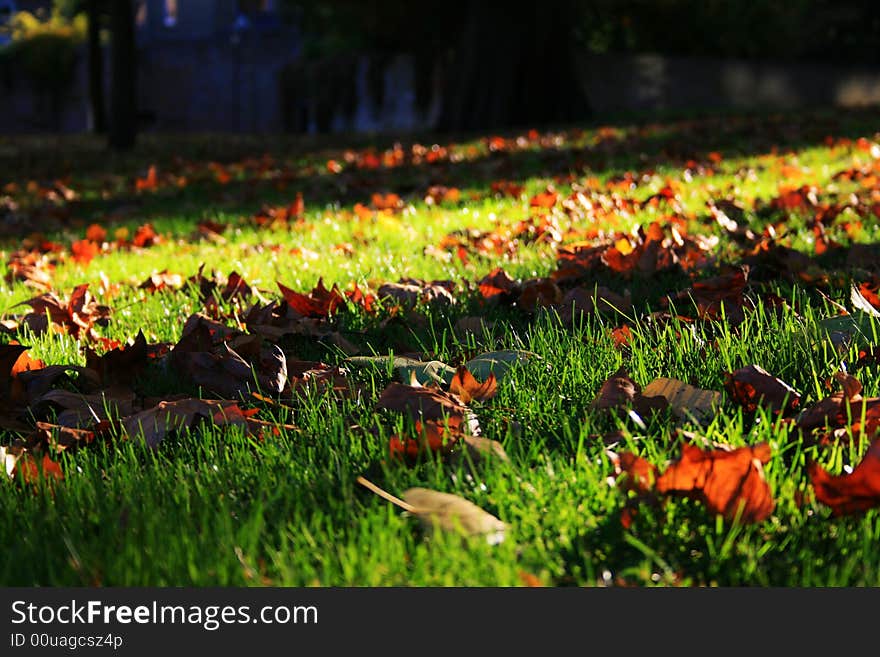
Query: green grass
pixel 216 507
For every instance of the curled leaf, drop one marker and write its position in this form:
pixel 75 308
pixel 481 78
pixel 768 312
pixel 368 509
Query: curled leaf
pixel 729 482
pixel 468 389
pixel 850 493
pixel 753 386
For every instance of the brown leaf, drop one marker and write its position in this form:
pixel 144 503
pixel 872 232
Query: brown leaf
pixel 319 303
pixel 29 470
pixel 721 296
pixel 421 403
pixel 539 292
pixel 36 383
pixel 482 449
pixel 9 355
pixel 408 292
pixel 120 365
pixel 753 386
pixel 230 376
pixel 638 473
pixel 730 483
pixel 444 511
pixel 453 513
pixel 587 300
pixel 850 493
pixel 75 316
pixel 468 389
pixel 155 423
pixel 619 391
pixel 685 400
pixel 843 409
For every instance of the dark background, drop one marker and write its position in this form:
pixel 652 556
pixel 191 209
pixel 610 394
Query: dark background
pixel 439 65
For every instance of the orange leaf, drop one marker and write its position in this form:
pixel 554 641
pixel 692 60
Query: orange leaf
pixel 640 473
pixel 148 183
pixel 84 251
pixel 31 471
pixel 850 493
pixel 468 388
pixel 752 386
pixel 545 199
pixel 95 233
pixel 319 303
pixel 497 282
pixel 728 482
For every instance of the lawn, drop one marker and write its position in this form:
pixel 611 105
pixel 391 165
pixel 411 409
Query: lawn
pixel 274 329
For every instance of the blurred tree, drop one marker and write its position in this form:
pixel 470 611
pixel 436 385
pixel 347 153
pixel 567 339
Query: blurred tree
pixel 514 67
pixel 96 13
pixel 95 10
pixel 122 125
pixel 507 64
pixel 498 65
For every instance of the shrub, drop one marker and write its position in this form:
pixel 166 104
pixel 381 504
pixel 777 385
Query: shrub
pixel 44 50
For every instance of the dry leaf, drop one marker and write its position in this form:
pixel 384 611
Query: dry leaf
pixel 685 400
pixel 445 511
pixel 752 386
pixel 454 513
pixel 468 389
pixel 728 482
pixel 850 493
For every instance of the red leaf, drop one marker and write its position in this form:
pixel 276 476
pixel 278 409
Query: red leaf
pixel 752 386
pixel 319 303
pixel 467 388
pixel 31 471
pixel 421 403
pixel 84 251
pixel 496 283
pixel 433 437
pixel 145 236
pixel 96 233
pixel 730 483
pixel 850 493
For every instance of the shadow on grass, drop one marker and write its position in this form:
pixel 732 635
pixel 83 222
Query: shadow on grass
pixel 638 145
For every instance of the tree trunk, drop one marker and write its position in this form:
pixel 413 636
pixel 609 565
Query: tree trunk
pixel 513 68
pixel 123 80
pixel 96 68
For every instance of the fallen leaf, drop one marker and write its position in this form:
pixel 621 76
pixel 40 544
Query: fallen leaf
pixel 445 511
pixel 498 363
pixel 421 403
pixel 850 493
pixel 728 482
pixel 619 391
pixel 685 400
pixel 753 386
pixel 319 303
pixel 468 389
pixel 453 513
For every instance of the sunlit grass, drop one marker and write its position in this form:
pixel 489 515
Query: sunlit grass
pixel 217 507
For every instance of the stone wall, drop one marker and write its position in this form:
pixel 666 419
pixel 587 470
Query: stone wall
pixel 616 83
